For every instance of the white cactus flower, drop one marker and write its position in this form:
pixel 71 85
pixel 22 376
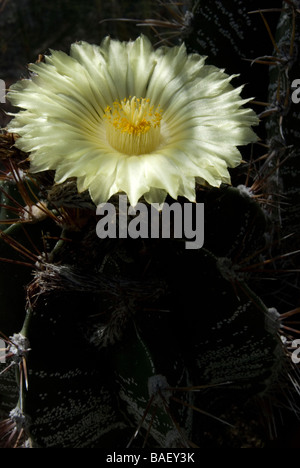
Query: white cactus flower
pixel 123 117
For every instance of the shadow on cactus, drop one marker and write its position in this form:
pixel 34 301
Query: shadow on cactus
pixel 139 342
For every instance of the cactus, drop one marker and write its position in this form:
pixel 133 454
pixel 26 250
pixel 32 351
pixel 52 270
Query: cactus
pixel 114 343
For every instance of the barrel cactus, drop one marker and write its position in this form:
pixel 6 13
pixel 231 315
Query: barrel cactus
pixel 119 342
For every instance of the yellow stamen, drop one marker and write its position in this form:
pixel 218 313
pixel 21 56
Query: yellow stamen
pixel 133 126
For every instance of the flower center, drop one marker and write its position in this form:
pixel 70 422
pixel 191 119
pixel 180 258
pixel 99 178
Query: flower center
pixel 133 126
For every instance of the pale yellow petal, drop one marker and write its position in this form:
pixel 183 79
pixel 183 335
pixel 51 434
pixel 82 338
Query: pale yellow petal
pixel 65 122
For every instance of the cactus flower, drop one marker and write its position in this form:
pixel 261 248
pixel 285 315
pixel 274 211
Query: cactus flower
pixel 124 117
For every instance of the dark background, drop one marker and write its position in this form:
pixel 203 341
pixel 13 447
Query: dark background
pixel 32 27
